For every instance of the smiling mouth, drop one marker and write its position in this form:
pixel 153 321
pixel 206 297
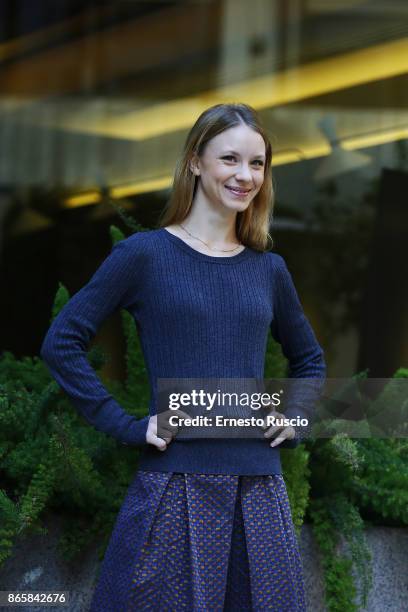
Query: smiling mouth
pixel 236 191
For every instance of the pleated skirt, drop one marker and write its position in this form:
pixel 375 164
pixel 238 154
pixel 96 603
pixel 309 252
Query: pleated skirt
pixel 202 543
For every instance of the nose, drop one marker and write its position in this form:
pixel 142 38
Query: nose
pixel 244 172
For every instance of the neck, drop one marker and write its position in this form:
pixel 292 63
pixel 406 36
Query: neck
pixel 212 227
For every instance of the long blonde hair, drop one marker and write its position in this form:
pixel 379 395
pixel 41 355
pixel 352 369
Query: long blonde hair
pixel 252 225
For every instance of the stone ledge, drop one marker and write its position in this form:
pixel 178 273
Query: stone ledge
pixel 36 566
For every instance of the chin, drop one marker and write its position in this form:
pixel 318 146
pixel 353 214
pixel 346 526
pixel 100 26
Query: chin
pixel 239 206
pixel 233 209
pixel 236 204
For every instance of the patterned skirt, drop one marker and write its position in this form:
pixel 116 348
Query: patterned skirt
pixel 202 543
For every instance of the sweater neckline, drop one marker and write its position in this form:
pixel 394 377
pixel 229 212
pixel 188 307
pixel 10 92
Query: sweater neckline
pixel 230 259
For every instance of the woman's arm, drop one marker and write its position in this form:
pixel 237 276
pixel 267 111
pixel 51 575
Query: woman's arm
pixel 66 342
pixel 292 330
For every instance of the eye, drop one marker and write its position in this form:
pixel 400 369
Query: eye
pixel 232 157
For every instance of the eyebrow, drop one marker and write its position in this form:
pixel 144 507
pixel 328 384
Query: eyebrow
pixel 261 156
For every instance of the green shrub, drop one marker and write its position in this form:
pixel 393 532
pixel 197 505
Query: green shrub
pixel 51 459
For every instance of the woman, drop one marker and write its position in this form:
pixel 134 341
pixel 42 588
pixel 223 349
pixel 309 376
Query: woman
pixel 206 523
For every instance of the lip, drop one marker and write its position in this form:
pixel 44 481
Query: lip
pixel 237 191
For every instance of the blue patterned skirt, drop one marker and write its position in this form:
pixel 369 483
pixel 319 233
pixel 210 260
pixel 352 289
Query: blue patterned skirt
pixel 202 543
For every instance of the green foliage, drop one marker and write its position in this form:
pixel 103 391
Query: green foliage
pixel 294 461
pixel 381 489
pixel 116 234
pixel 128 220
pixel 334 464
pixel 61 298
pixel 334 518
pixel 340 590
pixel 51 459
pixel 352 479
pixel 8 526
pixel 295 467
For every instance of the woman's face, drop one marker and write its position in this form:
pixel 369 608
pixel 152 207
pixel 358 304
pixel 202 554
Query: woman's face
pixel 231 169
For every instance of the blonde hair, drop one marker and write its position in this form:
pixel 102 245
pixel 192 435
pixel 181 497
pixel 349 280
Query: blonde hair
pixel 252 225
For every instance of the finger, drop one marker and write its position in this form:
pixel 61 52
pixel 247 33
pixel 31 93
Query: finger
pixel 278 440
pixel 158 442
pixel 271 431
pixel 286 434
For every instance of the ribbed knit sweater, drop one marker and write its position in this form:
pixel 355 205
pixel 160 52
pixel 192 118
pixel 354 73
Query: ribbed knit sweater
pixel 197 316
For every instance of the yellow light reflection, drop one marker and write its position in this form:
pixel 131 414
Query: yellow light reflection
pixel 83 199
pixel 301 82
pixel 141 187
pixel 378 138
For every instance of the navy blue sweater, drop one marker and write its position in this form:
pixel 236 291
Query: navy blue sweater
pixel 197 316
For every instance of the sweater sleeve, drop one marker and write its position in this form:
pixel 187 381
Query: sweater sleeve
pixel 66 342
pixel 291 328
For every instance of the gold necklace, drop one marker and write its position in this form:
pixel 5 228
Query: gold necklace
pixel 207 245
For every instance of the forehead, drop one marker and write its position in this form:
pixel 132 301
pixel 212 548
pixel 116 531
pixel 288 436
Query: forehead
pixel 240 138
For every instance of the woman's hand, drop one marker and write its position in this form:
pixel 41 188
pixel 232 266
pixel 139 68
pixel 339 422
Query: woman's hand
pixel 169 431
pixel 287 433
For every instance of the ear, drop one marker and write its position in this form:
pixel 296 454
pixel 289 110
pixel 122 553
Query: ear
pixel 194 166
